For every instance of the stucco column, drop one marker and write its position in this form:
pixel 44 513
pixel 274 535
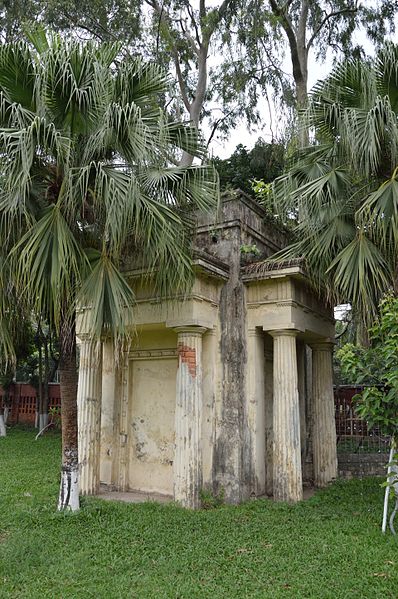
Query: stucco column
pixel 302 400
pixel 324 427
pixel 109 414
pixel 287 474
pixel 188 415
pixel 269 425
pixel 89 416
pixel 256 410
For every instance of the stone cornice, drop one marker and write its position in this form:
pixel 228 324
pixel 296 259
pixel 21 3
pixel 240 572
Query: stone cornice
pixel 156 299
pixel 202 261
pixel 210 265
pixel 295 271
pixel 290 304
pixel 152 354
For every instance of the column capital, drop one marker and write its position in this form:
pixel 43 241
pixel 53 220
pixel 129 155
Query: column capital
pixel 190 330
pixel 283 333
pixel 255 332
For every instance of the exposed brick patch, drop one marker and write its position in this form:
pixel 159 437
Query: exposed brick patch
pixel 188 356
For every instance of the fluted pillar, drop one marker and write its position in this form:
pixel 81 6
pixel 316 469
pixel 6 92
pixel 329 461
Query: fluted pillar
pixel 287 473
pixel 110 398
pixel 89 416
pixel 302 400
pixel 256 410
pixel 324 427
pixel 188 414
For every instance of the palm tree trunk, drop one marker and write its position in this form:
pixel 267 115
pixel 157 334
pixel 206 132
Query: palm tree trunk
pixel 69 489
pixel 39 399
pixel 43 412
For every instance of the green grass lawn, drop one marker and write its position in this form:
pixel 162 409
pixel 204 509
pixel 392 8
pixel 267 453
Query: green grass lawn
pixel 329 546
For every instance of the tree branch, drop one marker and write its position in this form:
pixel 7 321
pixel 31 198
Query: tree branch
pixel 181 83
pixel 202 9
pixel 326 19
pixel 193 22
pixel 189 38
pixel 216 123
pixel 291 36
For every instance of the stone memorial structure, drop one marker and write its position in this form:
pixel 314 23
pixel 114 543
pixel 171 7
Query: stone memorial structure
pixel 229 388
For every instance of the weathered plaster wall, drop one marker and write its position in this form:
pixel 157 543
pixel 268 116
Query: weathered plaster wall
pixel 147 407
pixel 151 423
pixel 240 210
pixel 235 311
pixel 273 302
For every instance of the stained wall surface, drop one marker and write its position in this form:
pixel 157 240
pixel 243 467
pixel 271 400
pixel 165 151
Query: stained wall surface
pixel 236 309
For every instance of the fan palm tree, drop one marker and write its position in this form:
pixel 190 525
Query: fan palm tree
pixel 86 159
pixel 342 191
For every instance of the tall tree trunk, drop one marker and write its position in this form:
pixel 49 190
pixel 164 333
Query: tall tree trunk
pixel 299 48
pixel 69 489
pixel 39 399
pixel 43 412
pixel 302 103
pixel 196 105
pixel 362 333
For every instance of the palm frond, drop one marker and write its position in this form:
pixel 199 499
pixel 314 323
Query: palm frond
pixel 342 190
pixel 86 166
pixel 48 263
pixel 106 300
pixel 361 274
pixel 380 211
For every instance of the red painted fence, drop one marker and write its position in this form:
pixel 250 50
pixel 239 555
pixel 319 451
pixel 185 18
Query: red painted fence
pixel 23 398
pixel 352 432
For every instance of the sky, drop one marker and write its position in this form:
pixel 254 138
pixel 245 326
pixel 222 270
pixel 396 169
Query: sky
pixel 316 71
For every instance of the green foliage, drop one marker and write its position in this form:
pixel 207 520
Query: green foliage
pixel 22 339
pixel 329 545
pixel 251 249
pixel 55 417
pixel 265 161
pixel 84 155
pixel 360 365
pixel 378 364
pixel 342 189
pixel 105 19
pixel 210 500
pixel 266 32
